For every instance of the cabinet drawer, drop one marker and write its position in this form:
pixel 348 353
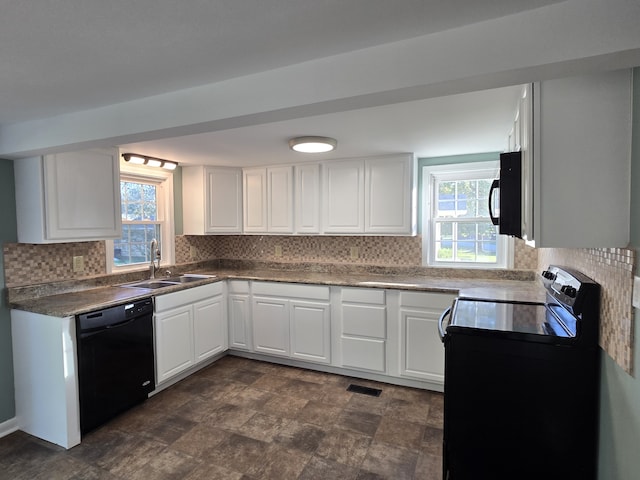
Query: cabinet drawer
pixel 238 286
pixel 436 301
pixel 363 295
pixel 188 296
pixel 291 290
pixel 364 353
pixel 364 320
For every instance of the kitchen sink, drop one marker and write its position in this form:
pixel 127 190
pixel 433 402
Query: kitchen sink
pixel 167 281
pixel 149 284
pixel 187 277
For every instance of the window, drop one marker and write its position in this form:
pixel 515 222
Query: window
pixel 457 230
pixel 147 211
pixel 140 223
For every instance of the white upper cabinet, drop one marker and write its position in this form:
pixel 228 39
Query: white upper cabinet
pixel 280 200
pixel 212 200
pixel 68 197
pixel 582 161
pixel 343 196
pixel 268 200
pixel 370 195
pixel 389 195
pixel 255 199
pixel 307 198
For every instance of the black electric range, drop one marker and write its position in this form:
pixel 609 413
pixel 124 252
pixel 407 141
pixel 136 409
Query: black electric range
pixel 522 384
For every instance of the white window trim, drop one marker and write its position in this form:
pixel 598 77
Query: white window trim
pixel 452 172
pixel 164 181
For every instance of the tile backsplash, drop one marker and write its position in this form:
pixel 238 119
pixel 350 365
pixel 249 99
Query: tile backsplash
pixel 385 251
pixel 30 264
pixel 27 264
pixel 613 269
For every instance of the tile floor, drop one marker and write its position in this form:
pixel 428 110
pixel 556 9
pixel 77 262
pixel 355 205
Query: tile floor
pixel 243 419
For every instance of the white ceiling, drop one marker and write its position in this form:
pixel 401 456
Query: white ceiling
pixel 458 124
pixel 63 56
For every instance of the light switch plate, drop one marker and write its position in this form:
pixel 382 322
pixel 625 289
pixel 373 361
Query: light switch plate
pixel 636 292
pixel 78 263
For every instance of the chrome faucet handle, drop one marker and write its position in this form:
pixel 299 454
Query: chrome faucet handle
pixel 167 273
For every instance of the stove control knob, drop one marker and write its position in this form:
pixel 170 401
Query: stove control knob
pixel 549 275
pixel 570 292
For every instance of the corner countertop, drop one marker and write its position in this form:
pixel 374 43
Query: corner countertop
pixel 90 299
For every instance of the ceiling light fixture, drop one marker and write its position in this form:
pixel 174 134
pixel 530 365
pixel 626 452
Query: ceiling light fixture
pixel 311 144
pixel 136 159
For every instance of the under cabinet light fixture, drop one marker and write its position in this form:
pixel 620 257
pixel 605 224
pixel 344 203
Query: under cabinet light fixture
pixel 313 144
pixel 136 159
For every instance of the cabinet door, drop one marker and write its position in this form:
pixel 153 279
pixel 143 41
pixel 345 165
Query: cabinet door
pixel 280 199
pixel 388 201
pixel 209 328
pixel 343 197
pixel 82 192
pixel 421 351
pixel 174 342
pixel 307 205
pixel 582 139
pixel 270 318
pixel 310 331
pixel 239 331
pixel 255 199
pixel 223 212
pixel 525 127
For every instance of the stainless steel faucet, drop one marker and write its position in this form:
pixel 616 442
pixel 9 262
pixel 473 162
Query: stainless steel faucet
pixel 155 255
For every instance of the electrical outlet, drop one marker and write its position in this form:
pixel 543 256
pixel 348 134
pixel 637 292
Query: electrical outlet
pixel 278 252
pixel 636 292
pixel 78 263
pixel 193 252
pixel 354 252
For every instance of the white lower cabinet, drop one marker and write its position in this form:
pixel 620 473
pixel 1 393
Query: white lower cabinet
pixel 209 328
pixel 310 331
pixel 190 326
pixel 174 342
pixel 291 320
pixel 363 335
pixel 421 350
pixel 380 333
pixel 271 325
pixel 239 308
pixel 45 377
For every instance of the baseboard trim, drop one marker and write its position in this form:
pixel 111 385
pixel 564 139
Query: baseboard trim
pixel 8 427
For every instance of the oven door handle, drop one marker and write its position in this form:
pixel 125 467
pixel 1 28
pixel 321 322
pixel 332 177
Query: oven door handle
pixel 441 328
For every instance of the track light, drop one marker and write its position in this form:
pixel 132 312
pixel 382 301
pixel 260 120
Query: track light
pixel 136 159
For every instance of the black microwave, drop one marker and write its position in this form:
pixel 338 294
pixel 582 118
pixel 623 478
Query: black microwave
pixel 506 195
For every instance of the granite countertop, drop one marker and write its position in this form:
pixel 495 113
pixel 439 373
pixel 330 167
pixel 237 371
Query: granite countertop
pixel 89 299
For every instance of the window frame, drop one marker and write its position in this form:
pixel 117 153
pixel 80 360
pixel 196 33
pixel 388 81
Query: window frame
pixel 457 172
pixel 163 180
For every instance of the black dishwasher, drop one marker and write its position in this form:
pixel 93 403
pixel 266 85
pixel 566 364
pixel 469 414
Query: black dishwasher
pixel 115 361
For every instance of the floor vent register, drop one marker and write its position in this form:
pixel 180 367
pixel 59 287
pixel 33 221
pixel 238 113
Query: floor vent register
pixel 373 392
